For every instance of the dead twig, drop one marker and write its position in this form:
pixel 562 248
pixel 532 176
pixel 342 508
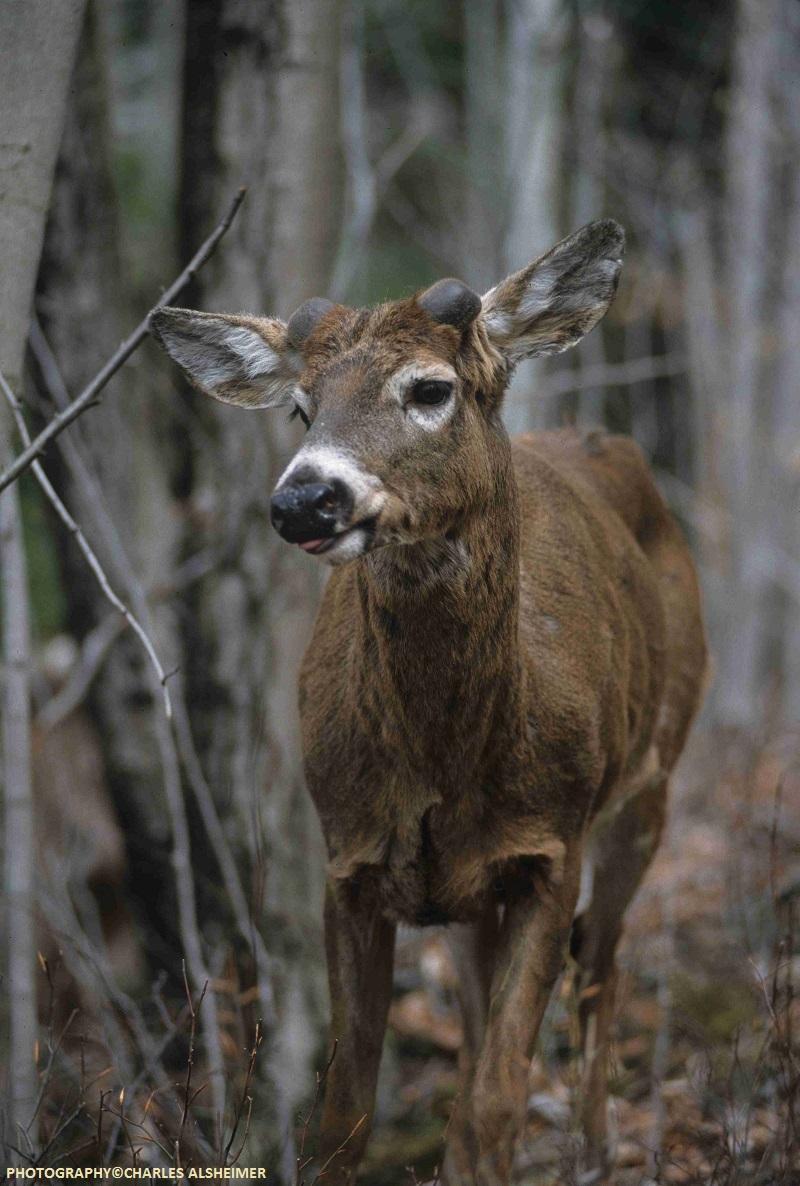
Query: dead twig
pixel 89 395
pixel 302 1159
pixel 246 1101
pixel 126 1121
pixel 321 1076
pixel 337 1152
pixel 187 1095
pixel 82 542
pixel 54 1049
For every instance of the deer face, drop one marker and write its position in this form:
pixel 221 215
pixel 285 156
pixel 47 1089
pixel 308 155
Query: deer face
pixel 401 402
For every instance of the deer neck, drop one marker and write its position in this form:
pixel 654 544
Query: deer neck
pixel 439 622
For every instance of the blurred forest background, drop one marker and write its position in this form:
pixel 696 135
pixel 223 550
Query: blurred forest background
pixel 384 143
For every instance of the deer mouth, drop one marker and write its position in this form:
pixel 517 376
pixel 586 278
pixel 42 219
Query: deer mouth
pixel 317 546
pixel 320 547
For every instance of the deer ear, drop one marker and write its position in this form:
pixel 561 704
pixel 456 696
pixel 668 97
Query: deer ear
pixel 550 305
pixel 240 360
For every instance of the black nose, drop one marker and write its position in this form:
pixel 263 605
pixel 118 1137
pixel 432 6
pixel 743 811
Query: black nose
pixel 304 511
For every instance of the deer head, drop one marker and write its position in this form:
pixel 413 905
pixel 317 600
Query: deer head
pixel 401 402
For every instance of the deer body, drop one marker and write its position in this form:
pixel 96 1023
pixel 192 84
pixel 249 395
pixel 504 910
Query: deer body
pixel 503 671
pixel 438 713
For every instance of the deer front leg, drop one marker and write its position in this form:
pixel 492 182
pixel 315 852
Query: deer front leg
pixel 530 956
pixel 472 946
pixel 360 951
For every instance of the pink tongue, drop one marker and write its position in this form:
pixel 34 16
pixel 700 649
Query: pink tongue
pixel 311 544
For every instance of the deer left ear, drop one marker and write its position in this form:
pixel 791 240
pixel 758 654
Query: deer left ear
pixel 550 305
pixel 240 360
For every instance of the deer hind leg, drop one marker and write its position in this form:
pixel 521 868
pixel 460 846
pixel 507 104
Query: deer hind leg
pixel 620 851
pixel 530 954
pixel 472 946
pixel 360 950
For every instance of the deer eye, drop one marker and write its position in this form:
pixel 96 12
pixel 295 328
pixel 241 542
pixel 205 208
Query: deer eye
pixel 430 392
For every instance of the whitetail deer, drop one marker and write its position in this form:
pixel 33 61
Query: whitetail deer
pixel 502 675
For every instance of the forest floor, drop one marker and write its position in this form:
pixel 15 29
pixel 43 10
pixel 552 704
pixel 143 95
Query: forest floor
pixel 705 1063
pixel 705 1066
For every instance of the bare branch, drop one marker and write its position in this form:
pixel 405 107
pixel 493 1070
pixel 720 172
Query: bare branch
pixel 187 1090
pixel 82 542
pixel 87 397
pixel 616 374
pixel 321 1079
pixel 96 645
pixel 359 1124
pixel 245 1102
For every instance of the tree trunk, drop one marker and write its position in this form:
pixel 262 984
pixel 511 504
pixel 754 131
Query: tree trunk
pixel 260 110
pixel 124 445
pixel 593 34
pixel 483 118
pixel 747 261
pixel 37 44
pixel 787 373
pixel 120 464
pixel 534 72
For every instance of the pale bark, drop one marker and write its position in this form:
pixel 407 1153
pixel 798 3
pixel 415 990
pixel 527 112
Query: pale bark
pixel 593 35
pixel 19 850
pixel 37 44
pixel 707 385
pixel 787 372
pixel 306 206
pixel 535 33
pixel 483 117
pixel 37 47
pixel 747 260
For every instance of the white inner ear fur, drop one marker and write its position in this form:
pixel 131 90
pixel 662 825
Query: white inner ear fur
pixel 398 387
pixel 214 352
pixel 508 317
pixel 501 320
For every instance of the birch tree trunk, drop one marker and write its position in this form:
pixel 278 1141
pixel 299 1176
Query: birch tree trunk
pixel 535 32
pixel 705 341
pixel 747 260
pixel 787 375
pixel 593 34
pixel 18 846
pixel 486 168
pixel 37 44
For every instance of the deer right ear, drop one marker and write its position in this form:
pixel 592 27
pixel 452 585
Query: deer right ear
pixel 550 305
pixel 240 360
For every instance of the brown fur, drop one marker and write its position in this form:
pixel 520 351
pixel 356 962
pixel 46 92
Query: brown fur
pixel 496 690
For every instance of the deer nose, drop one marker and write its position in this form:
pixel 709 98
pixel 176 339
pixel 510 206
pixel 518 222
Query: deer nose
pixel 303 511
